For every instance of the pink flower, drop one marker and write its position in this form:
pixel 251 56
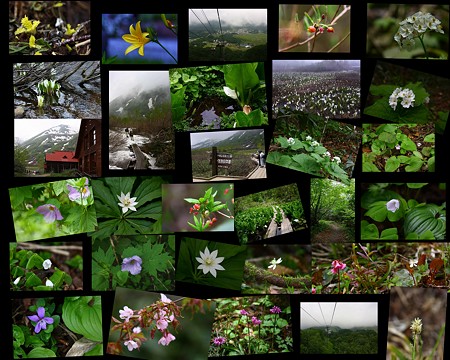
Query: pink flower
pixel 275 310
pixel 126 313
pixel 337 265
pixel 131 345
pixel 313 290
pixel 162 324
pixel 244 312
pixel 219 340
pixel 166 339
pixel 255 320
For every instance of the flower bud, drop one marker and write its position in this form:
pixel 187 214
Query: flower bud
pixel 330 29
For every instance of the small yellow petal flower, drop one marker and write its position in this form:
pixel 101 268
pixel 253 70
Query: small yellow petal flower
pixel 32 42
pixel 70 31
pixel 136 38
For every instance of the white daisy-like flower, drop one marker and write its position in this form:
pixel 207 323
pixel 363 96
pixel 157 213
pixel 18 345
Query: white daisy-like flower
pixel 274 263
pixel 127 202
pixel 209 262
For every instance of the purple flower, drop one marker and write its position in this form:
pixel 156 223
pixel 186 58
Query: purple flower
pixel 50 212
pixel 40 319
pixel 244 312
pixel 275 310
pixel 255 320
pixel 132 264
pixel 75 194
pixel 337 265
pixel 219 340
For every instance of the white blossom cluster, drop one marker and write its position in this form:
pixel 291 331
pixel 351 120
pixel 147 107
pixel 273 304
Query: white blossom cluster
pixel 414 26
pixel 407 96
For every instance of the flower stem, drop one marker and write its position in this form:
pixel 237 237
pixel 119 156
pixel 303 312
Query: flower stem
pixel 167 51
pixel 423 46
pixel 339 281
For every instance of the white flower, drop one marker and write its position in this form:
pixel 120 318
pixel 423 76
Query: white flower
pixel 398 147
pixel 165 299
pixel 308 138
pixel 230 92
pixel 337 159
pixel 137 330
pixel 315 143
pixel 419 144
pixel 131 345
pixel 49 283
pixel 127 203
pixel 416 326
pixel 274 263
pixel 291 141
pixel 40 100
pixel 47 264
pixel 327 153
pixel 393 205
pixel 17 281
pixel 209 262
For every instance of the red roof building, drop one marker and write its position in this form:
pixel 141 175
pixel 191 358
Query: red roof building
pixel 59 161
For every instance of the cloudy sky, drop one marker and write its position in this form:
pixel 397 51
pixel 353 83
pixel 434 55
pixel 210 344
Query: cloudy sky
pixel 346 314
pixel 25 129
pixel 120 82
pixel 235 17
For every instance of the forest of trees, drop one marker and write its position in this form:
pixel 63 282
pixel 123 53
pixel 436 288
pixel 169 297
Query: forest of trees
pixel 340 341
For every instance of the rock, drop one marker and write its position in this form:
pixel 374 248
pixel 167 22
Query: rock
pixel 18 112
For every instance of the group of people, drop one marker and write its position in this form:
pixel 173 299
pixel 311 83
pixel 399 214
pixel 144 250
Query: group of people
pixel 129 133
pixel 260 158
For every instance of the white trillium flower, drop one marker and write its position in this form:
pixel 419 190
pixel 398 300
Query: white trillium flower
pixel 274 263
pixel 47 264
pixel 127 202
pixel 49 283
pixel 209 262
pixel 230 92
pixel 393 205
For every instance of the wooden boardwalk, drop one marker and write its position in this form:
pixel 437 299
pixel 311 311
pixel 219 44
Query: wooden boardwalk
pixel 284 228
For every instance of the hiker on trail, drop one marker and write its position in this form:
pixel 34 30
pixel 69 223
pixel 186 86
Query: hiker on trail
pixel 255 157
pixel 262 159
pixel 131 135
pixel 127 132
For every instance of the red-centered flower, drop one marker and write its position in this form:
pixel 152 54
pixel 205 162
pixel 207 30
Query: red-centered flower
pixel 311 29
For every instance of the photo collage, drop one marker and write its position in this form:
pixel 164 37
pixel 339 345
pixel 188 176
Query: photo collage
pixel 256 182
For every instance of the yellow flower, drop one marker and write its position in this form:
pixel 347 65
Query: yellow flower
pixel 28 26
pixel 70 31
pixel 32 42
pixel 136 38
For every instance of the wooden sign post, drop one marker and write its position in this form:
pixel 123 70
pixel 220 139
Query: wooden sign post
pixel 219 160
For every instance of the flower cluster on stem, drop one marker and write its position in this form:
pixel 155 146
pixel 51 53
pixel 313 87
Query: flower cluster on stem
pixel 159 317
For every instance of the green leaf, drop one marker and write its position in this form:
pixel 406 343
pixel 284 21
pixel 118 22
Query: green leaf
pixel 104 194
pixel 429 138
pixel 414 164
pixel 83 315
pixel 392 164
pixel 369 231
pixel 41 352
pixel 32 280
pixel 389 234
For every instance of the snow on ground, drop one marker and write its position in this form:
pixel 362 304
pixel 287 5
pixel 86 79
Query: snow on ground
pixel 120 157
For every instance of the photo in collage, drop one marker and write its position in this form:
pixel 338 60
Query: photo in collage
pixel 193 182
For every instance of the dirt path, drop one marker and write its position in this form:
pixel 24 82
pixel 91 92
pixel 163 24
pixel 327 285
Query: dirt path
pixel 334 234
